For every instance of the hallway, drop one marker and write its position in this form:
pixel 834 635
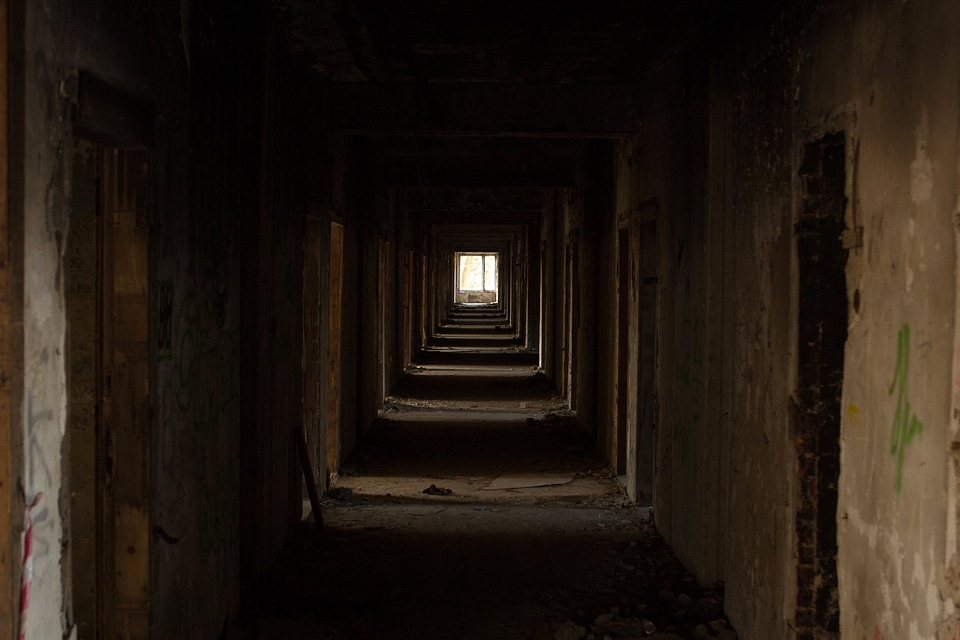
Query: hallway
pixel 696 258
pixel 498 557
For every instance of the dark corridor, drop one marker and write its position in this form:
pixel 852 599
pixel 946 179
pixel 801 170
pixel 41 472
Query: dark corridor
pixel 476 509
pixel 696 258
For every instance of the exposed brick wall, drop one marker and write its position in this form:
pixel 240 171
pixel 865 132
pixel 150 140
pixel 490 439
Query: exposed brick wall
pixel 822 336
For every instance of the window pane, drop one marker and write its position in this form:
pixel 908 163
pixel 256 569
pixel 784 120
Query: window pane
pixel 471 273
pixel 490 273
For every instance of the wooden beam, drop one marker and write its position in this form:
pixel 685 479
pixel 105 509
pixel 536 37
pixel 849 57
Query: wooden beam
pixel 556 111
pixel 494 171
pixel 110 116
pixel 499 199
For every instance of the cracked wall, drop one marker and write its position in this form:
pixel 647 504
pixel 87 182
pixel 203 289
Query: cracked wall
pixel 722 147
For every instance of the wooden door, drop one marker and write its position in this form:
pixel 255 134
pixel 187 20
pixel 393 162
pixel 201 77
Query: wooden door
pixel 312 418
pixel 333 348
pixel 123 427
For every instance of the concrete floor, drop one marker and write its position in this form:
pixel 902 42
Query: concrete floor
pixel 565 561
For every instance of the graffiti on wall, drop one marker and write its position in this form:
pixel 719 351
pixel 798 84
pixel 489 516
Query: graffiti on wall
pixel 201 382
pixel 218 523
pixel 876 634
pixel 853 415
pixel 906 425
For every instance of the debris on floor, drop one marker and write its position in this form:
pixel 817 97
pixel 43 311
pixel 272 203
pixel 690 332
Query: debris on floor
pixel 572 560
pixel 340 494
pixel 434 490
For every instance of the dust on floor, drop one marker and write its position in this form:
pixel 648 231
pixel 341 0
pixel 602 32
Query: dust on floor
pixel 559 562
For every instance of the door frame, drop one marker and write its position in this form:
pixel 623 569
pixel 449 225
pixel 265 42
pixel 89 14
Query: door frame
pixel 117 121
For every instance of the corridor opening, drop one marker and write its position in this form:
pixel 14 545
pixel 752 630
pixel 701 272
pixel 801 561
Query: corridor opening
pixel 477 278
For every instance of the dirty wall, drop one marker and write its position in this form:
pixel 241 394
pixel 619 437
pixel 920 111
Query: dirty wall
pixel 885 74
pixel 198 311
pixel 58 39
pixel 725 147
pixel 661 177
pixel 288 176
pixel 226 218
pixel 583 210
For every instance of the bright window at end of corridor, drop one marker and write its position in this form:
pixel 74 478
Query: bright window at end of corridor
pixel 476 278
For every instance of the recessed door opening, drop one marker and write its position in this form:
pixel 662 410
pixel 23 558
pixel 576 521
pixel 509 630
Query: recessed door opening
pixel 333 349
pixel 312 424
pixel 822 334
pixel 647 365
pixel 107 298
pixel 623 339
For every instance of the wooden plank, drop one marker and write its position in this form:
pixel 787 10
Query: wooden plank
pixel 123 467
pixel 333 347
pixel 300 437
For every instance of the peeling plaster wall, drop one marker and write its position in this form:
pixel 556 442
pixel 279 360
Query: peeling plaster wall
pixel 228 193
pixel 887 73
pixel 59 38
pixel 884 73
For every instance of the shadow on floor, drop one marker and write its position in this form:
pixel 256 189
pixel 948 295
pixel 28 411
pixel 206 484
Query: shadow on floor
pixel 556 562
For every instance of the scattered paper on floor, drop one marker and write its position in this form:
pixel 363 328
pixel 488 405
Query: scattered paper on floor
pixel 529 480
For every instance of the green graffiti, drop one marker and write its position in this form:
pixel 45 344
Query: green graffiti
pixel 905 424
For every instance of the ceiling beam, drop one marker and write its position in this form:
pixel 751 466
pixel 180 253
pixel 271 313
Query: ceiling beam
pixel 518 110
pixel 494 171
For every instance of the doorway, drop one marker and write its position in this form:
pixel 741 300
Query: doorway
pixel 108 359
pixel 572 287
pixel 624 278
pixel 313 424
pixel 333 349
pixel 647 357
pixel 822 337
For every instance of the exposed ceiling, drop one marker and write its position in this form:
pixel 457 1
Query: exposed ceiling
pixel 608 42
pixel 475 93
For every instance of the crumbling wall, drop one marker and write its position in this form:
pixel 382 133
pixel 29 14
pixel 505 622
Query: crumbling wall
pixel 227 181
pixel 794 102
pixel 884 74
pixel 58 38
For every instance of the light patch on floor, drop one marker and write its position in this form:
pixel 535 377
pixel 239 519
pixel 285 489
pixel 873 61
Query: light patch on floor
pixel 529 481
